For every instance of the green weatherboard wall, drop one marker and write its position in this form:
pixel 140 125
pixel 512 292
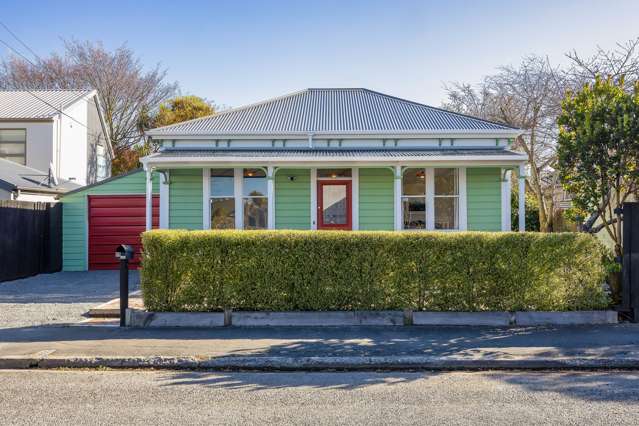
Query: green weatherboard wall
pixel 292 199
pixel 74 214
pixel 483 188
pixel 376 200
pixel 185 199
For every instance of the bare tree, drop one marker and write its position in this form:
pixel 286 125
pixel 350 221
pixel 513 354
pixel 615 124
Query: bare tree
pixel 127 91
pixel 528 97
pixel 620 64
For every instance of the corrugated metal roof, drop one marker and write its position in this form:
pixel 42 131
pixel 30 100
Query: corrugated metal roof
pixel 16 176
pixel 329 153
pixel 331 111
pixel 36 104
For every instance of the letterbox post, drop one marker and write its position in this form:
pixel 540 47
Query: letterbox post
pixel 124 253
pixel 124 289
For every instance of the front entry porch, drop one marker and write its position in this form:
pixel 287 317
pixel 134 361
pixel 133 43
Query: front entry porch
pixel 446 197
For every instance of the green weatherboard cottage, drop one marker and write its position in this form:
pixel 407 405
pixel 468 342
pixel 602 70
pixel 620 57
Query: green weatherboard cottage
pixel 350 159
pixel 335 159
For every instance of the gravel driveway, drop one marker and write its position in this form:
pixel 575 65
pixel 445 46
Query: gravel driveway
pixel 57 298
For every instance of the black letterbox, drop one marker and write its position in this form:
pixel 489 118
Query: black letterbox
pixel 124 252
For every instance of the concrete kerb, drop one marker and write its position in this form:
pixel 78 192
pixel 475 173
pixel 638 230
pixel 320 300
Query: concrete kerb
pixel 143 319
pixel 346 363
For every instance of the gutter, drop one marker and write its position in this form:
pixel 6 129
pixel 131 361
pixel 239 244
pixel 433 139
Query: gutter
pixel 336 134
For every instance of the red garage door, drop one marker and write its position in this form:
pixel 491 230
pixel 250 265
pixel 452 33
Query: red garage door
pixel 115 220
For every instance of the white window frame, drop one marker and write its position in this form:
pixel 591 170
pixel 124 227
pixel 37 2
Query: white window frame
pixel 238 196
pixel 101 162
pixel 10 156
pixel 206 184
pixel 424 197
pixel 244 197
pixel 456 196
pixel 430 199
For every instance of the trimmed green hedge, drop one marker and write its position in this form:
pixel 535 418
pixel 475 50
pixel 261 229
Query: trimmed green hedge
pixel 311 270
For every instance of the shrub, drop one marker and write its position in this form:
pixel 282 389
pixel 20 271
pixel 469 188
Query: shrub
pixel 311 270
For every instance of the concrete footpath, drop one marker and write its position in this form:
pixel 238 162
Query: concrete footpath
pixel 319 348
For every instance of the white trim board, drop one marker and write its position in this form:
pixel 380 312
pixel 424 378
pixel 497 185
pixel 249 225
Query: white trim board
pixel 206 200
pixel 313 198
pixel 355 199
pixel 164 199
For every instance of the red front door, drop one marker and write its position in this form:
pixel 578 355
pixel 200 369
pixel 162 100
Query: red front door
pixel 334 205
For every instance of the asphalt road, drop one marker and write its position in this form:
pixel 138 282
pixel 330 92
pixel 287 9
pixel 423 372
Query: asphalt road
pixel 164 397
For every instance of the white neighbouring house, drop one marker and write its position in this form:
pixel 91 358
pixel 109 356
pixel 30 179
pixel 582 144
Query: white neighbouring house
pixel 58 132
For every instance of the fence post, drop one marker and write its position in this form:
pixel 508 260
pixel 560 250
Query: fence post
pixel 630 263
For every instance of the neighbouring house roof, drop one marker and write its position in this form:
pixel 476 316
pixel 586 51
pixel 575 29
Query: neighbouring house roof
pixel 334 111
pixel 16 177
pixel 20 105
pixel 37 104
pixel 329 154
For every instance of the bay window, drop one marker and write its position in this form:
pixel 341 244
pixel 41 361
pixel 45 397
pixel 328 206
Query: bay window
pixel 222 199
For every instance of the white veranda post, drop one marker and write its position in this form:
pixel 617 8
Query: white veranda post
pixel 270 197
pixel 522 198
pixel 149 199
pixel 398 197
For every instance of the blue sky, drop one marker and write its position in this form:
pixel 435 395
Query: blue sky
pixel 236 52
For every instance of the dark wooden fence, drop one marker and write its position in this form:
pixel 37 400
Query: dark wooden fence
pixel 30 238
pixel 630 272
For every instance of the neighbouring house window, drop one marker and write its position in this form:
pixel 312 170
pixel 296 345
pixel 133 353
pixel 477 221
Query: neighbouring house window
pixel 414 199
pixel 446 198
pixel 103 172
pixel 13 145
pixel 222 199
pixel 254 199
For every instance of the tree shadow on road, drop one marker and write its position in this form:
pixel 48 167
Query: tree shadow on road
pixel 611 386
pixel 618 386
pixel 283 380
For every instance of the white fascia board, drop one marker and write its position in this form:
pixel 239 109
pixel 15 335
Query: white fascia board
pixel 84 97
pixel 105 129
pixel 394 134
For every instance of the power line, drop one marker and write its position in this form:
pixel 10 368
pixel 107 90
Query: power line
pixel 39 98
pixel 20 41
